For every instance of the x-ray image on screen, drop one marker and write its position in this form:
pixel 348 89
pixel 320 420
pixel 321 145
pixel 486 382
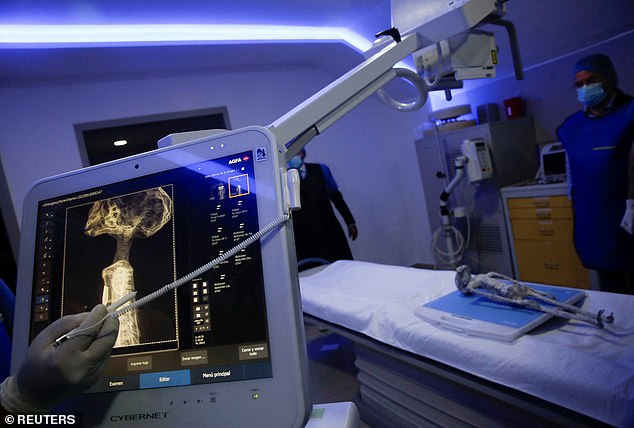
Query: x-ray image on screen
pixel 118 245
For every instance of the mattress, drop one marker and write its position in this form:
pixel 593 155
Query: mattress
pixel 569 363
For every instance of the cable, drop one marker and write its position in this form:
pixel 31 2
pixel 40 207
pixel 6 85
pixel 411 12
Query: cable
pixel 284 218
pixel 416 82
pixel 449 257
pixel 432 83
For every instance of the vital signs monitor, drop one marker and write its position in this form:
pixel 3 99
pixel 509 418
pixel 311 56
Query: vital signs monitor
pixel 225 348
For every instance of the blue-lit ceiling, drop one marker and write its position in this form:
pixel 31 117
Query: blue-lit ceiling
pixel 194 34
pixel 354 14
pixel 326 33
pixel 66 21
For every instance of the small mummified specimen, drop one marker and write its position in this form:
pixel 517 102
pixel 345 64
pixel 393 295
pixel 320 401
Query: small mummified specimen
pixel 138 215
pixel 501 288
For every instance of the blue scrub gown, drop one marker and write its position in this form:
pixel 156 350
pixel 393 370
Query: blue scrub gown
pixel 598 151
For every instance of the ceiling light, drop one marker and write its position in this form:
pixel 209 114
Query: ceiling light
pixel 52 36
pixel 120 143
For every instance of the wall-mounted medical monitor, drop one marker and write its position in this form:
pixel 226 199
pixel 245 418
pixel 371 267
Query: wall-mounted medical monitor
pixel 224 349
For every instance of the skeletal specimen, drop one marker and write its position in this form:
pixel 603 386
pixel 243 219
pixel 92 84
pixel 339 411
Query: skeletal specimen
pixel 501 288
pixel 137 215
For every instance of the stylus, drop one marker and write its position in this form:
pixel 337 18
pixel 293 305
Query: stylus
pixel 112 308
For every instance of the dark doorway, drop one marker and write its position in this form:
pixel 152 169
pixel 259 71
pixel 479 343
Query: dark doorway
pixel 141 134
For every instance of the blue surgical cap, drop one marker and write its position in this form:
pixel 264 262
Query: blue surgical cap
pixel 598 63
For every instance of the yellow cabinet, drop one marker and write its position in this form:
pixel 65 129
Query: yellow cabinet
pixel 550 262
pixel 540 223
pixel 554 230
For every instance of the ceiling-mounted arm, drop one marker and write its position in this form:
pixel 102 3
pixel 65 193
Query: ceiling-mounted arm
pixel 318 112
pixel 515 47
pixel 422 24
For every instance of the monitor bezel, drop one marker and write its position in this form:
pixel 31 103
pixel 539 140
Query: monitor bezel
pixel 283 399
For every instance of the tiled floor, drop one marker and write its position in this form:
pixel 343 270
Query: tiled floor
pixel 331 363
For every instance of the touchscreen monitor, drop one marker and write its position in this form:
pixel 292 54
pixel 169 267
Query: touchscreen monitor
pixel 224 349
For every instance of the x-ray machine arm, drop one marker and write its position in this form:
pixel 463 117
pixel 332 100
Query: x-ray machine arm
pixel 426 23
pixel 434 30
pixel 320 111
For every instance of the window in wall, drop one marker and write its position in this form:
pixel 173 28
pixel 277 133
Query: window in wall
pixel 114 139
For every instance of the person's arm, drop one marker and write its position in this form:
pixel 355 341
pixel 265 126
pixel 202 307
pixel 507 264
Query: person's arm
pixel 628 217
pixel 52 373
pixel 630 185
pixel 342 207
pixel 337 199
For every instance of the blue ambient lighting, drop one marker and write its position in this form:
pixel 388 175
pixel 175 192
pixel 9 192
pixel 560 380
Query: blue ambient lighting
pixel 55 36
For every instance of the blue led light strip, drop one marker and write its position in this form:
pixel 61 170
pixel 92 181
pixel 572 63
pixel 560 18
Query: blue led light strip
pixel 55 36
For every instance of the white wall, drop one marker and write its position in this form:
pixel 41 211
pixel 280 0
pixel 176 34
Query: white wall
pixel 370 151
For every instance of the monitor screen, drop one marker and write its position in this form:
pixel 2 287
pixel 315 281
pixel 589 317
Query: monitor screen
pixel 140 230
pixel 554 163
pixel 98 245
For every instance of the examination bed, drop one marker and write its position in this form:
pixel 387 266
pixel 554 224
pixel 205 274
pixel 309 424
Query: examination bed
pixel 412 373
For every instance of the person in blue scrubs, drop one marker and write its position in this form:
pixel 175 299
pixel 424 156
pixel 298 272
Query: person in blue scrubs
pixel 598 141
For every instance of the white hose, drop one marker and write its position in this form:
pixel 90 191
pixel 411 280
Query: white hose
pixel 449 257
pixel 413 78
pixel 440 66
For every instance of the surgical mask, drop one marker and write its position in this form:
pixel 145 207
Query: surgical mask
pixel 591 95
pixel 296 162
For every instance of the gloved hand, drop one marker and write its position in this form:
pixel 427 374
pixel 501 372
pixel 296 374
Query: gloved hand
pixel 628 218
pixel 50 374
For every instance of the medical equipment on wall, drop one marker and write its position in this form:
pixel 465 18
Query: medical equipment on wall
pixel 477 161
pixel 454 240
pixel 553 163
pixel 503 289
pixel 479 165
pixel 479 214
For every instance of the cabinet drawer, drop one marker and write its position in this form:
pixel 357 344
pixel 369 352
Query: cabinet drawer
pixel 553 230
pixel 540 202
pixel 550 262
pixel 540 213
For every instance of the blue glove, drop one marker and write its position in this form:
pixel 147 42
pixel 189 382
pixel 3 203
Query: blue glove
pixel 50 374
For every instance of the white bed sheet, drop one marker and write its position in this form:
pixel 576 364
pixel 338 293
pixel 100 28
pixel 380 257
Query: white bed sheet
pixel 570 363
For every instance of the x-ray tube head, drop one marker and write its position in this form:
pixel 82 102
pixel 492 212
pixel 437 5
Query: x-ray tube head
pixel 465 56
pixel 436 20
